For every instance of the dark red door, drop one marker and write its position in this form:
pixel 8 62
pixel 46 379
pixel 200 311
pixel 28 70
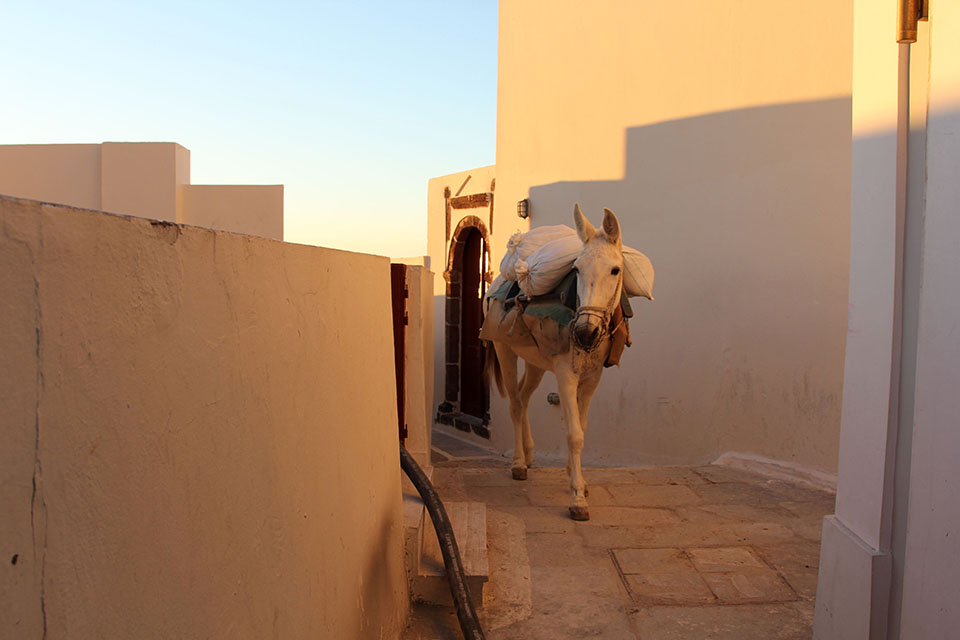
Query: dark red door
pixel 398 286
pixel 471 364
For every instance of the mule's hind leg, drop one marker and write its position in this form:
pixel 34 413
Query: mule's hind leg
pixel 528 384
pixel 508 370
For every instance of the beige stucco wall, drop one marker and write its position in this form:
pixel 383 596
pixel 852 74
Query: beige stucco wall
pixel 253 210
pixel 65 173
pixel 719 133
pixel 198 434
pixel 418 363
pixel 143 179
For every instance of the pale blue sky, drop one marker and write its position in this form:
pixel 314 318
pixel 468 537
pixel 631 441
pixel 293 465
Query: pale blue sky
pixel 353 106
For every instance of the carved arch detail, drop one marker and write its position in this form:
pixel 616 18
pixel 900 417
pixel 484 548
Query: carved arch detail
pixel 454 252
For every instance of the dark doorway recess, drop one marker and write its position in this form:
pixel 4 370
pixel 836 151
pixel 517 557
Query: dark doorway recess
pixel 399 295
pixel 471 358
pixel 466 399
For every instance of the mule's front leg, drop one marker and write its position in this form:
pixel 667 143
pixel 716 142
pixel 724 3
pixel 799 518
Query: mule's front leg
pixel 568 383
pixel 587 387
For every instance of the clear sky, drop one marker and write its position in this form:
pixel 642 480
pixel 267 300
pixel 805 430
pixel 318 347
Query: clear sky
pixel 352 106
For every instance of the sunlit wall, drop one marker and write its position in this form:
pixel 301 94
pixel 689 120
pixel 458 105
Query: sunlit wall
pixel 720 134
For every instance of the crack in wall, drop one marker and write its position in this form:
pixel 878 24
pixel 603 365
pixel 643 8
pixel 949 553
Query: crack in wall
pixel 38 504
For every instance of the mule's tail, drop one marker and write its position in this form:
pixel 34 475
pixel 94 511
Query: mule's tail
pixel 491 365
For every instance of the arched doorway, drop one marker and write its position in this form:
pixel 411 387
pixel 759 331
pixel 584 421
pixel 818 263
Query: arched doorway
pixel 466 399
pixel 471 316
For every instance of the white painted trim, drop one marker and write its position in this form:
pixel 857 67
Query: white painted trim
pixel 790 471
pixel 853 586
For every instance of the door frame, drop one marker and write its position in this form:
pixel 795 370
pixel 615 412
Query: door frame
pixel 450 410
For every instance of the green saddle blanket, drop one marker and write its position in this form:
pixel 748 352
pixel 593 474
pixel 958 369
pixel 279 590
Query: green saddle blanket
pixel 560 304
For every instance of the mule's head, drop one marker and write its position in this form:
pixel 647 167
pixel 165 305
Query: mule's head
pixel 599 279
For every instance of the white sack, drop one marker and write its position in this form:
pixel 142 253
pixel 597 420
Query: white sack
pixel 545 268
pixel 521 245
pixel 637 273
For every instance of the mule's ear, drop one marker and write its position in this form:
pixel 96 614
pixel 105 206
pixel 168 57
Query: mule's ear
pixel 584 229
pixel 611 226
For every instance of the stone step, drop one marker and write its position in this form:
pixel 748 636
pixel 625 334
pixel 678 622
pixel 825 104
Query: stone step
pixel 414 513
pixel 469 520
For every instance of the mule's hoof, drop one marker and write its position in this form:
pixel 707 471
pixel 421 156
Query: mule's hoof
pixel 580 513
pixel 519 473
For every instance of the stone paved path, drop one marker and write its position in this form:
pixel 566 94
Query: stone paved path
pixel 670 553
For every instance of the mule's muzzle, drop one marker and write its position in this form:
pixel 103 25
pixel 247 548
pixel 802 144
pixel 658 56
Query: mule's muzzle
pixel 587 336
pixel 589 326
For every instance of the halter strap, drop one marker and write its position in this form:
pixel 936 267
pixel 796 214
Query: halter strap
pixel 604 313
pixel 594 311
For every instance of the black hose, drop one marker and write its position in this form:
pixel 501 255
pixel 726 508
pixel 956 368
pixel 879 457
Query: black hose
pixel 469 624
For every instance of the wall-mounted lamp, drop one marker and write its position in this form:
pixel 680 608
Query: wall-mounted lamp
pixel 522 208
pixel 911 11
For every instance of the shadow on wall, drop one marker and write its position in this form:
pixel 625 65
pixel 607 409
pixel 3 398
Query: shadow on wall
pixel 745 215
pixel 378 586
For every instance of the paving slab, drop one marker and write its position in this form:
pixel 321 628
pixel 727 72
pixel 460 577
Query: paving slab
pixel 559 495
pixel 800 492
pixel 575 602
pixel 808 529
pixel 757 532
pixel 798 562
pixel 740 493
pixel 739 587
pixel 800 554
pixel 718 474
pixel 626 476
pixel 542 519
pixel 550 626
pixel 630 516
pixel 668 475
pixel 714 559
pixel 789 621
pixel 814 508
pixel 662 535
pixel 498 496
pixel 647 561
pixel 729 513
pixel 670 588
pixel 501 477
pixel 670 553
pixel 496 462
pixel 562 550
pixel 449 484
pixel 658 495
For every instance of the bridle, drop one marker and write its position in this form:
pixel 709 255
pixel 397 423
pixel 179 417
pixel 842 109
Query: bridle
pixel 605 314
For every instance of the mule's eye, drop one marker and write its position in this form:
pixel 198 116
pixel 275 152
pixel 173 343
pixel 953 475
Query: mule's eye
pixel 615 271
